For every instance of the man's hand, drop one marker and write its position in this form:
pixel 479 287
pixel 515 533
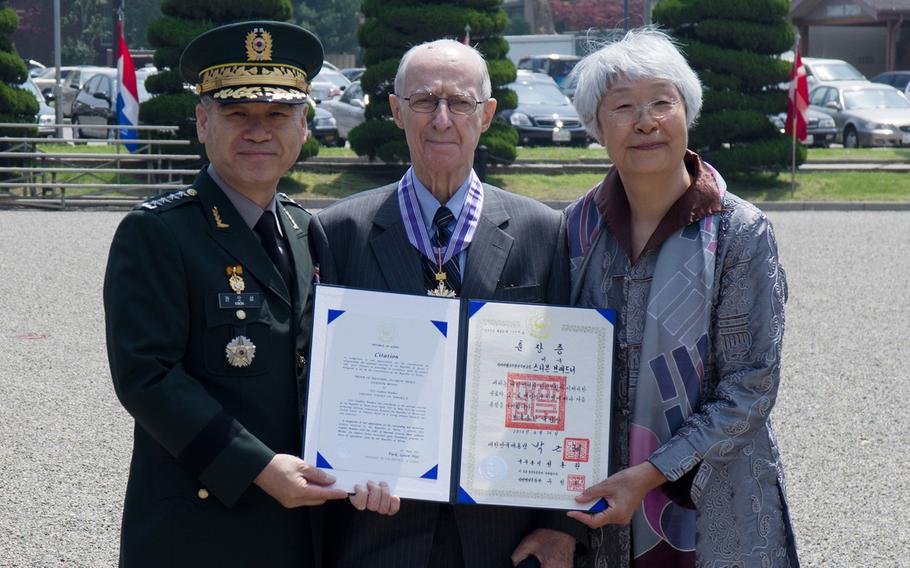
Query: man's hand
pixel 376 498
pixel 554 549
pixel 624 492
pixel 295 483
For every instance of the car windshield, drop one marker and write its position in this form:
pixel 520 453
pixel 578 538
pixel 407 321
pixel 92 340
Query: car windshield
pixel 836 72
pixel 333 77
pixel 538 94
pixel 874 98
pixel 33 89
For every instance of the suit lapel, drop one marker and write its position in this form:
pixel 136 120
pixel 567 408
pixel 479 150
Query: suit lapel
pixel 229 231
pixel 489 250
pixel 397 259
pixel 301 262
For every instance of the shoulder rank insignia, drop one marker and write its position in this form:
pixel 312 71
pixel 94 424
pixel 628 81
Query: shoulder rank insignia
pixel 167 199
pixel 240 351
pixel 258 45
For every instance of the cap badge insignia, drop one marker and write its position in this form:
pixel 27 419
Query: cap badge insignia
pixel 259 45
pixel 218 222
pixel 240 351
pixel 235 278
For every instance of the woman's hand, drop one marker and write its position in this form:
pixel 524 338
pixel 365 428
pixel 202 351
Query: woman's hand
pixel 624 492
pixel 375 497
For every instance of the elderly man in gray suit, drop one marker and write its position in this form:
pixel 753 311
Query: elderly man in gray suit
pixel 439 230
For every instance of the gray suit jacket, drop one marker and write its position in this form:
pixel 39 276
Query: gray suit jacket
pixel 518 254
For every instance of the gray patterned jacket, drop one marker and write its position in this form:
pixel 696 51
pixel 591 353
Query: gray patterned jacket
pixel 727 448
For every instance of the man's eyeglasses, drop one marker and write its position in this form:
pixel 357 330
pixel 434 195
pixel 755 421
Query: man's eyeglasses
pixel 658 109
pixel 428 102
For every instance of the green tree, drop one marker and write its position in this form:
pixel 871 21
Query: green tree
pixel 334 21
pixel 732 45
pixel 183 20
pixel 16 105
pixel 393 26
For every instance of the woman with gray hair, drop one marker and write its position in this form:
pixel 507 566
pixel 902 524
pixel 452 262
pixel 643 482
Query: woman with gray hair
pixel 693 274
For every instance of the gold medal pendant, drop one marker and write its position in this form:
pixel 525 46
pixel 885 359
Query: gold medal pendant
pixel 441 290
pixel 240 351
pixel 235 278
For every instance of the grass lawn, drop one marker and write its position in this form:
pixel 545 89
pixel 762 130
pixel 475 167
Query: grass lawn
pixel 860 186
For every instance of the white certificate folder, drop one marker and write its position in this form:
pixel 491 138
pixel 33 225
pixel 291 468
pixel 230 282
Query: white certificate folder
pixel 459 400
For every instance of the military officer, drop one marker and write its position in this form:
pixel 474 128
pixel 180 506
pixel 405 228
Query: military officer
pixel 207 304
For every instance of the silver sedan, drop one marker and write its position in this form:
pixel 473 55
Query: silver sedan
pixel 866 114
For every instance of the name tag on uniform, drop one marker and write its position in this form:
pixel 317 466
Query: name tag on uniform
pixel 231 301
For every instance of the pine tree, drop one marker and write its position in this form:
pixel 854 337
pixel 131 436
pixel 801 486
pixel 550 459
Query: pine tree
pixel 733 46
pixel 182 21
pixel 391 28
pixel 16 105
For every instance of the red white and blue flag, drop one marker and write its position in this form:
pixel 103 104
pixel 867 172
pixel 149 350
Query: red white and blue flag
pixel 798 101
pixel 127 93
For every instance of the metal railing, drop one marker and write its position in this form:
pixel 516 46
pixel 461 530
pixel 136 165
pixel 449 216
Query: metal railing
pixel 42 175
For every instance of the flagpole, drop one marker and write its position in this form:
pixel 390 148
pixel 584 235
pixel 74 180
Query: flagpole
pixel 793 160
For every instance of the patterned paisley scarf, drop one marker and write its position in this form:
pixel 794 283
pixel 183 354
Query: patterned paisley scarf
pixel 673 355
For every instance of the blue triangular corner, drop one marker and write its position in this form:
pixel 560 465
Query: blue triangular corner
pixel 334 314
pixel 474 307
pixel 442 326
pixel 463 497
pixel 608 314
pixel 322 463
pixel 598 506
pixel 432 474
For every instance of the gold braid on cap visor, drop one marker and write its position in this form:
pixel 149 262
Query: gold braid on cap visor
pixel 238 75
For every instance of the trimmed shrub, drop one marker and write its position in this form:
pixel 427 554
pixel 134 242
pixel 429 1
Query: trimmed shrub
pixel 390 29
pixel 176 32
pixel 9 21
pixel 224 11
pixel 168 81
pixel 732 44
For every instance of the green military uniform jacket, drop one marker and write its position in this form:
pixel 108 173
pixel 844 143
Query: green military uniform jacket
pixel 204 428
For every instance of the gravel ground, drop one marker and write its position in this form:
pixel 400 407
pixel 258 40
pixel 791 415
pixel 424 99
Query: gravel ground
pixel 65 440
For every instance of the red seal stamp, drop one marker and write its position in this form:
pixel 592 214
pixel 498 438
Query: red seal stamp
pixel 536 402
pixel 576 449
pixel 575 482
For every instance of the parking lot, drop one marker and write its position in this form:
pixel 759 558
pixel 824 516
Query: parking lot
pixel 841 416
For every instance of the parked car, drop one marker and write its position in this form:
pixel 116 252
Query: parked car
pixel 45 117
pixel 75 80
pixel 348 110
pixel 824 71
pixel 323 127
pixel 555 65
pixel 353 73
pixel 900 80
pixel 328 84
pixel 35 68
pixel 544 115
pixel 820 128
pixel 96 104
pixel 866 114
pixel 44 78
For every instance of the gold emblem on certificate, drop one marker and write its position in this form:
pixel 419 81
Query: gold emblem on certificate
pixel 240 351
pixel 235 278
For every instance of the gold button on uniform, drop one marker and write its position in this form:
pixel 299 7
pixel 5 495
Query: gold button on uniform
pixel 192 192
pixel 301 361
pixel 203 493
pixel 241 315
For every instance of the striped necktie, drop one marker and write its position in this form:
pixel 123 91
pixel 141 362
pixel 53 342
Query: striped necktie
pixel 440 240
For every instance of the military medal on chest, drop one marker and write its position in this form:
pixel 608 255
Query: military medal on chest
pixel 240 350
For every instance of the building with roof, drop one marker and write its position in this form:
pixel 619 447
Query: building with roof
pixel 873 35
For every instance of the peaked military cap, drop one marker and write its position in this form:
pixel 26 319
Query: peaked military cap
pixel 255 61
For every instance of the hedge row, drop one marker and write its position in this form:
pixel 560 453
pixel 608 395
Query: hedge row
pixel 392 146
pixel 716 128
pixel 679 13
pixel 18 102
pixel 492 47
pixel 766 38
pixel 227 10
pixel 500 140
pixel 766 102
pixel 373 8
pixel 168 81
pixel 771 155
pixel 410 26
pixel 502 71
pixel 12 68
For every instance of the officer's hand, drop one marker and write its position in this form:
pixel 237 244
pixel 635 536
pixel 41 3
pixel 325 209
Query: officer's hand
pixel 295 483
pixel 376 498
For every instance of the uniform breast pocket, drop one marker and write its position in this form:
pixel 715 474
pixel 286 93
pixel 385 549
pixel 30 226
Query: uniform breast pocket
pixel 237 341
